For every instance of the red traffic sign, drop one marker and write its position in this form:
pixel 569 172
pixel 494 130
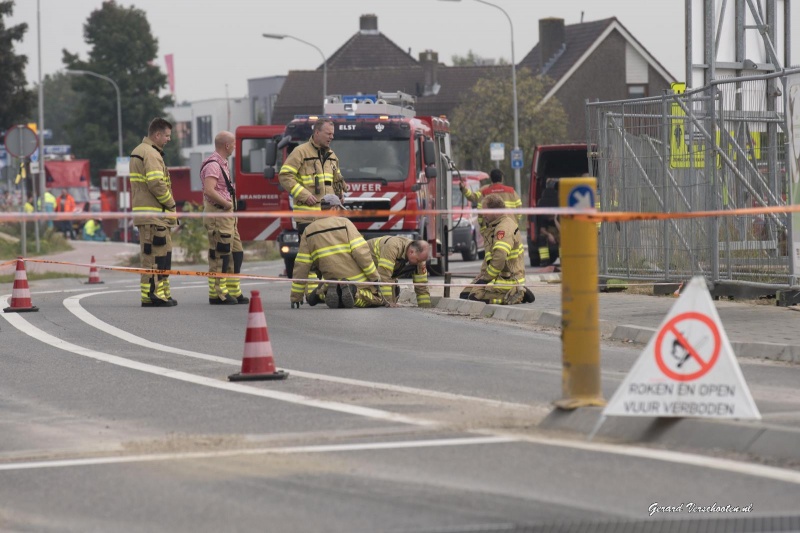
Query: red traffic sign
pixel 682 350
pixel 21 141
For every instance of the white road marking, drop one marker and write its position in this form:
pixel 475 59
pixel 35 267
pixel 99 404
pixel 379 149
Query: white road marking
pixel 703 461
pixel 332 448
pixel 23 325
pixel 73 305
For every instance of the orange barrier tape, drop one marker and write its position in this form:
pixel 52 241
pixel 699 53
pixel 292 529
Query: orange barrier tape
pixel 579 214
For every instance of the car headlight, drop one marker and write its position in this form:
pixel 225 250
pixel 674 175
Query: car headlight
pixel 291 237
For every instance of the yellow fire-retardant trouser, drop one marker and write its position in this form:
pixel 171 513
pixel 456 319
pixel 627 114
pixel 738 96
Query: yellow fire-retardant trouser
pixel 501 291
pixel 225 253
pixel 155 252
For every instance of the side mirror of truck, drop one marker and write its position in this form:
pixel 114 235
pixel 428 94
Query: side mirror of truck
pixel 429 153
pixel 269 173
pixel 430 172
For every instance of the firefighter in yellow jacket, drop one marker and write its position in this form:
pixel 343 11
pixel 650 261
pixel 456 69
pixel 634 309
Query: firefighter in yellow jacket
pixel 151 196
pixel 503 280
pixel 310 172
pixel 335 247
pixel 400 257
pixel 509 196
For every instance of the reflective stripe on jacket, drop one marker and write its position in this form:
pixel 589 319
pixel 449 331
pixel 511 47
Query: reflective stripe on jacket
pixel 151 188
pixel 510 198
pixel 307 167
pixel 390 256
pixel 505 254
pixel 337 248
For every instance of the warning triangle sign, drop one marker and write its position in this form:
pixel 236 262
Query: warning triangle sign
pixel 688 369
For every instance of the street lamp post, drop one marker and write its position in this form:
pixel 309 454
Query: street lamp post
pixel 119 130
pixel 324 59
pixel 517 184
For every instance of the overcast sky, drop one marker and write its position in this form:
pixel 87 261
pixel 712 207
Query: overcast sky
pixel 218 43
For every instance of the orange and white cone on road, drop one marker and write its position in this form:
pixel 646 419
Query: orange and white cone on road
pixel 678 290
pixel 20 294
pixel 94 275
pixel 258 362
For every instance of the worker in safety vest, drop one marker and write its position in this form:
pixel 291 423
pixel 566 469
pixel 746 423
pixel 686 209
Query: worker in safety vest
pixel 310 172
pixel 151 196
pixel 49 205
pixel 400 257
pixel 66 204
pixel 335 247
pixel 503 281
pixel 511 199
pixel 93 231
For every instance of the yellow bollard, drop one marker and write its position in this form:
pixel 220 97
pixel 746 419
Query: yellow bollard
pixel 580 331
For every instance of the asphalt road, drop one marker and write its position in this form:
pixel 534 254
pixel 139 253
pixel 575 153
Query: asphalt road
pixel 120 418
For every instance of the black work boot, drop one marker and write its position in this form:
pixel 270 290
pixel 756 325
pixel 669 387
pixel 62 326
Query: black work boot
pixel 332 296
pixel 313 298
pixel 348 296
pixel 529 298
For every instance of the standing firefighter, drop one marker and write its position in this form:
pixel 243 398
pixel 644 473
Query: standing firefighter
pixel 225 252
pixel 399 257
pixel 335 247
pixel 310 172
pixel 503 280
pixel 151 196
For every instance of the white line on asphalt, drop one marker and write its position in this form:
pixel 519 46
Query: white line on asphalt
pixel 73 305
pixel 31 330
pixel 331 448
pixel 703 461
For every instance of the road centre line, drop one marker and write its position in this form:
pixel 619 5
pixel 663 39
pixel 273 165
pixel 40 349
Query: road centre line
pixel 775 473
pixel 23 325
pixel 327 448
pixel 73 305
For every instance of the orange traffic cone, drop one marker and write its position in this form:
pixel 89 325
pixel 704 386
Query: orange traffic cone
pixel 20 294
pixel 257 363
pixel 94 275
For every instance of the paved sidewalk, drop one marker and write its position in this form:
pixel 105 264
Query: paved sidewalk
pixel 755 330
pixel 105 253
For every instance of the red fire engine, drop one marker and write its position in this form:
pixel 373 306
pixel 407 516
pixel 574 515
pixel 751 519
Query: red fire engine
pixel 391 159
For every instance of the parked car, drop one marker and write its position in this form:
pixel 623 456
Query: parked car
pixel 466 236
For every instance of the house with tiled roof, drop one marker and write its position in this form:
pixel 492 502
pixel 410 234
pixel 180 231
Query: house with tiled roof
pixel 586 61
pixel 598 60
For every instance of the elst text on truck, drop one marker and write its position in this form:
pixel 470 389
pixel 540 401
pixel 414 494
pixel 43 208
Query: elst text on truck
pixel 391 160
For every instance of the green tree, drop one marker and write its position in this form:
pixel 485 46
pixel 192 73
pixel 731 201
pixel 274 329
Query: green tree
pixel 474 60
pixel 122 48
pixel 487 116
pixel 60 103
pixel 15 99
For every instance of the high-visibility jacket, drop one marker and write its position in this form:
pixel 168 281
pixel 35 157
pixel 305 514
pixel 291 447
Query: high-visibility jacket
pixel 510 198
pixel 28 207
pixel 49 200
pixel 65 205
pixel 390 256
pixel 505 254
pixel 91 227
pixel 337 249
pixel 151 188
pixel 311 169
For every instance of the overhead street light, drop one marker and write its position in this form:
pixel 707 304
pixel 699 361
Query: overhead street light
pixel 517 184
pixel 119 127
pixel 324 59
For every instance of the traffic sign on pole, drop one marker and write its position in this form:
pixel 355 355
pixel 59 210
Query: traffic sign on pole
pixel 516 158
pixel 21 141
pixel 497 151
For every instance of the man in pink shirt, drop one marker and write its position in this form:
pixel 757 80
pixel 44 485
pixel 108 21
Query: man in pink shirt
pixel 225 252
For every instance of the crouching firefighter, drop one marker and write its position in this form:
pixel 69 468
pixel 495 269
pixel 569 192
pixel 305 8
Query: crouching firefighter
pixel 502 281
pixel 225 251
pixel 335 248
pixel 399 257
pixel 151 197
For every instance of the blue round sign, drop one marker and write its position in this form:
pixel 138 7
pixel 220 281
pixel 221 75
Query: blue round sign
pixel 581 197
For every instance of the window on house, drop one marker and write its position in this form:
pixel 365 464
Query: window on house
pixel 184 131
pixel 637 91
pixel 204 135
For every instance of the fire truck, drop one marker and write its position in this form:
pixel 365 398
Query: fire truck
pixel 391 160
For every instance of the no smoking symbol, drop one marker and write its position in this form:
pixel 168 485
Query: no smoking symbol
pixel 682 350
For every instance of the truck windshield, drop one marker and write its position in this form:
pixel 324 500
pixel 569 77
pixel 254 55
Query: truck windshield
pixel 362 159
